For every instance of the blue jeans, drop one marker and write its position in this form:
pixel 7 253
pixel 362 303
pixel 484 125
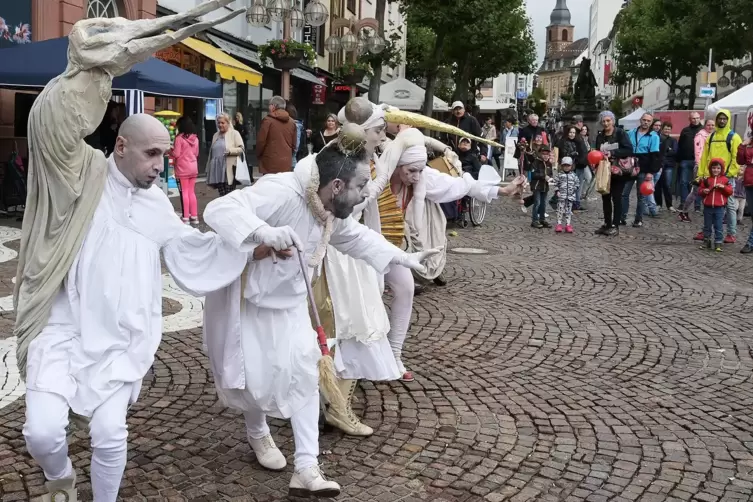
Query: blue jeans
pixel 684 177
pixel 643 201
pixel 539 206
pixel 713 217
pixel 749 197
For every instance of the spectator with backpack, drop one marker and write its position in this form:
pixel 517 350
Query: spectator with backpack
pixel 723 144
pixel 745 161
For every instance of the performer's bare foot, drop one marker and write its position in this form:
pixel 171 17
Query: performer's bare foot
pixel 310 482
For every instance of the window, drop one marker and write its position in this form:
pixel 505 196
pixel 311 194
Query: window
pixel 549 36
pixel 102 8
pixel 352 6
pixel 564 35
pixel 487 84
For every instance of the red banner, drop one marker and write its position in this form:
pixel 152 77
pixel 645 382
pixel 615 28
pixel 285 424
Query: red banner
pixel 319 92
pixel 607 72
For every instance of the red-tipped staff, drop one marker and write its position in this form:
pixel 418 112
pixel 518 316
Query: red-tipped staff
pixel 326 365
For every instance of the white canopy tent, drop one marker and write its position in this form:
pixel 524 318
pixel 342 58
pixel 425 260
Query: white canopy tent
pixel 406 95
pixel 737 102
pixel 632 120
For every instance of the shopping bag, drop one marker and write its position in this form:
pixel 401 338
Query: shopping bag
pixel 242 174
pixel 603 177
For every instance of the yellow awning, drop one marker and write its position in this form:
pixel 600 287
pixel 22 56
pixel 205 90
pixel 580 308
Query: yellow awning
pixel 228 67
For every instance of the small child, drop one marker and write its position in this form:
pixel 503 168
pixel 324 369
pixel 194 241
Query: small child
pixel 715 190
pixel 566 186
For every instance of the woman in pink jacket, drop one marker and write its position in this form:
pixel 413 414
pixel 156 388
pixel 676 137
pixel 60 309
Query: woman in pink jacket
pixel 185 160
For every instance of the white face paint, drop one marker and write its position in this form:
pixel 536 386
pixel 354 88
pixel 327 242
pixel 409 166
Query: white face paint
pixel 410 174
pixel 376 136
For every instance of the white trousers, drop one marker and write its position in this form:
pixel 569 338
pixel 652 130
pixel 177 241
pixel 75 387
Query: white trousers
pixel 46 441
pixel 305 424
pixel 400 281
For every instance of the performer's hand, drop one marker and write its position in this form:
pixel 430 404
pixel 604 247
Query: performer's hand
pixel 261 252
pixel 277 238
pixel 415 261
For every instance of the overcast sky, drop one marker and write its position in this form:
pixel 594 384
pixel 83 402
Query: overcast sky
pixel 540 10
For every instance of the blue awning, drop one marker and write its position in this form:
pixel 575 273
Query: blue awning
pixel 35 64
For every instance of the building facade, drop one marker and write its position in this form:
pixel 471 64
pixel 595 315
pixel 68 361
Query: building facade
pixel 53 19
pixel 554 74
pixel 601 19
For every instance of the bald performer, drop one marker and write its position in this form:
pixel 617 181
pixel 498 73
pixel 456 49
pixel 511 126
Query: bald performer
pixel 105 324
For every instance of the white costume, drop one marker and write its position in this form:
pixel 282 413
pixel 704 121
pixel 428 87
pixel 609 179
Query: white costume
pixel 106 324
pixel 424 220
pixel 261 345
pixel 89 292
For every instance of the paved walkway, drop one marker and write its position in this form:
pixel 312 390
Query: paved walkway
pixel 553 368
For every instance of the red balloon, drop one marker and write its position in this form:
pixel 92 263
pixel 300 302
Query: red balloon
pixel 647 188
pixel 594 157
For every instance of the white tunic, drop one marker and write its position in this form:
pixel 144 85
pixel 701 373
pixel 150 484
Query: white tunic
pixel 360 318
pixel 106 323
pixel 263 350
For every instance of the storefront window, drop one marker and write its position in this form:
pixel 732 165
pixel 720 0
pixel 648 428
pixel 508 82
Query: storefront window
pixel 230 97
pixel 254 117
pixel 266 95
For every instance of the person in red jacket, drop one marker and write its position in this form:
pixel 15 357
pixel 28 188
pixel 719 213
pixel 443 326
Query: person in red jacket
pixel 714 190
pixel 185 159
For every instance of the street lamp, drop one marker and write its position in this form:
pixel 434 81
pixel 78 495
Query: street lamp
pixel 259 14
pixel 354 42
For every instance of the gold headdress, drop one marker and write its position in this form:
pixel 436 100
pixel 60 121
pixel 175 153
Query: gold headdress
pixel 422 122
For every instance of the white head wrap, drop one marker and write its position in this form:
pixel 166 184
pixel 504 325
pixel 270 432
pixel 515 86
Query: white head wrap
pixel 414 155
pixel 375 120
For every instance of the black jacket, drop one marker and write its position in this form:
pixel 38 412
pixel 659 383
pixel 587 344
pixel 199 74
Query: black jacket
pixel 471 163
pixel 573 148
pixel 529 132
pixel 686 143
pixel 539 170
pixel 467 123
pixel 619 136
pixel 668 152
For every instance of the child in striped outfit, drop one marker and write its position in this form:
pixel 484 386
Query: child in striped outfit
pixel 566 185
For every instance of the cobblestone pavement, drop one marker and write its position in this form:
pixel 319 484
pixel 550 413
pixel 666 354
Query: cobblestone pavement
pixel 553 368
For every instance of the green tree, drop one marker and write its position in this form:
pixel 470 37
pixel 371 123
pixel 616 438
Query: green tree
pixel 537 101
pixel 658 40
pixel 500 41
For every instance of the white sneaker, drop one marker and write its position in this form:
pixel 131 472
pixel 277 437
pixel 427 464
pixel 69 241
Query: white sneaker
pixel 311 483
pixel 267 453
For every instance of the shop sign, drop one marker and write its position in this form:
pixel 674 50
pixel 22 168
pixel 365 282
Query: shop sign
pixel 319 92
pixel 15 23
pixel 341 88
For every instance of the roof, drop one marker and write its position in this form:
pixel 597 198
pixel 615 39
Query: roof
pixel 567 54
pixel 560 15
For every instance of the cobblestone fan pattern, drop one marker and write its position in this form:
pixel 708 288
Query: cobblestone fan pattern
pixel 553 368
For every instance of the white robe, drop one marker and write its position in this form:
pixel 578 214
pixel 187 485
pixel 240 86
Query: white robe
pixel 425 222
pixel 263 350
pixel 106 322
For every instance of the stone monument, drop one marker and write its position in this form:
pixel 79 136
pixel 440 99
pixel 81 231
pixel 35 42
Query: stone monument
pixel 584 99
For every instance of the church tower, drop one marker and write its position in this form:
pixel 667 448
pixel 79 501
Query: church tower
pixel 559 33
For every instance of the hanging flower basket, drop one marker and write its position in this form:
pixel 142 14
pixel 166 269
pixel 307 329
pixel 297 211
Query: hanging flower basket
pixel 353 73
pixel 356 77
pixel 289 61
pixel 287 54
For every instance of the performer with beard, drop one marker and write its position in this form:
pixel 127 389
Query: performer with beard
pixel 262 348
